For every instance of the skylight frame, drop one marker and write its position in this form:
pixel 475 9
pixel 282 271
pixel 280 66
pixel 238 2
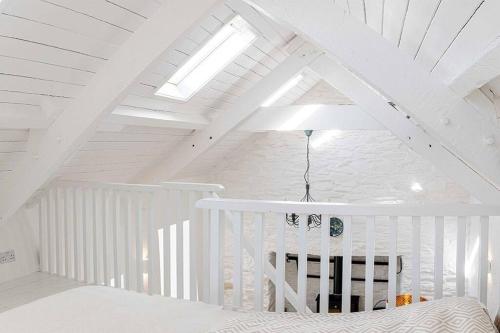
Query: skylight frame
pixel 219 51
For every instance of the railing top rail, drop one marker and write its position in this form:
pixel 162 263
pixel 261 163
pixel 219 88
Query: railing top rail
pixel 116 186
pixel 340 209
pixel 198 187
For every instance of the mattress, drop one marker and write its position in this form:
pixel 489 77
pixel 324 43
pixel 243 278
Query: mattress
pixel 103 309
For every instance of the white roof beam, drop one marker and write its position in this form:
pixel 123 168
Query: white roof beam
pixel 441 112
pixel 406 129
pixel 102 94
pixel 244 106
pixel 152 118
pixel 485 69
pixel 313 117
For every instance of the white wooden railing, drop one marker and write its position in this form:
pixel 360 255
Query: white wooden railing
pixel 259 209
pixel 120 235
pixel 168 239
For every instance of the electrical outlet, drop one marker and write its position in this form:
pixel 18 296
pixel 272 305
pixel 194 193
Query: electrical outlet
pixel 7 257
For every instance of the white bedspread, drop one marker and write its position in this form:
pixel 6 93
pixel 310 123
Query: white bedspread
pixel 103 309
pixel 451 315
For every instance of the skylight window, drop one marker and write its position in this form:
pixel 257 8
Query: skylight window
pixel 228 43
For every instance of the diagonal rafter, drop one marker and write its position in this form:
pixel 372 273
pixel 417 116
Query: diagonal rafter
pixel 441 113
pixel 103 93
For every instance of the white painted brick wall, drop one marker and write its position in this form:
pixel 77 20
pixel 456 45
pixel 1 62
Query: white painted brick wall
pixel 354 167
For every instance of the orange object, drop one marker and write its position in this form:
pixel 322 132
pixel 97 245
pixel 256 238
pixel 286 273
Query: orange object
pixel 406 299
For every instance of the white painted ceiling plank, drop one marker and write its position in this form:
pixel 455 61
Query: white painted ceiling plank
pixel 418 19
pixel 395 76
pixel 375 14
pixel 450 19
pixel 245 105
pixel 409 132
pixel 394 19
pixel 18 116
pixel 74 126
pixel 46 13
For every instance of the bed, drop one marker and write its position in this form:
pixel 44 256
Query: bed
pixel 103 309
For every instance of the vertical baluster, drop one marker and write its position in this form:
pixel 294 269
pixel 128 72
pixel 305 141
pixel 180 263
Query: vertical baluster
pixel 66 213
pixel 370 262
pixel 222 240
pixel 126 240
pixel 115 211
pixel 393 257
pixel 152 247
pixel 49 231
pixel 41 228
pixel 138 244
pixel 93 193
pixel 259 261
pixel 57 232
pixel 438 256
pixel 179 230
pixel 416 259
pixel 302 264
pixel 76 259
pixel 214 256
pixel 205 251
pixel 325 265
pixel 280 264
pixel 84 234
pixel 483 260
pixel 238 258
pixel 166 252
pixel 460 269
pixel 104 221
pixel 194 225
pixel 346 265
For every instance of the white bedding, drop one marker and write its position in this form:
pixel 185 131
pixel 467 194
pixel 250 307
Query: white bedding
pixel 103 309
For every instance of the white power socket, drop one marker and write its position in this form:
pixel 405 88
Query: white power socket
pixel 7 257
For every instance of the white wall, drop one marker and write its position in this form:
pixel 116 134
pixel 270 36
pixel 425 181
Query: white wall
pixel 17 234
pixel 354 167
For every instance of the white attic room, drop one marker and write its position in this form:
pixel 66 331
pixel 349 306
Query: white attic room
pixel 214 166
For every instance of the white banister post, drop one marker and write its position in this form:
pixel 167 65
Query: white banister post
pixel 259 261
pixel 76 257
pixel 238 260
pixel 415 281
pixel 280 264
pixel 104 220
pixel 41 245
pixel 302 264
pixel 325 264
pixel 66 215
pixel 370 262
pixel 57 231
pixel 483 259
pixel 461 243
pixel 393 261
pixel 438 256
pixel 346 265
pixel 214 256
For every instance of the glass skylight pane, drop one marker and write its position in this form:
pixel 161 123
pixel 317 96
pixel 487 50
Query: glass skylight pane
pixel 229 42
